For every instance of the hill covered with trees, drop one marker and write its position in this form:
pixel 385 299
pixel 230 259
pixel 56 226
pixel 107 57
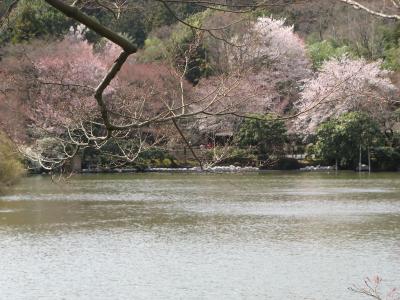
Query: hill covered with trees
pixel 240 82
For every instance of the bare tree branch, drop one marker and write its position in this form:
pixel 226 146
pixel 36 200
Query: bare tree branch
pixel 374 12
pixel 76 14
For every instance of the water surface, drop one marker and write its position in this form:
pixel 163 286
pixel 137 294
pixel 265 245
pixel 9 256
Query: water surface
pixel 193 236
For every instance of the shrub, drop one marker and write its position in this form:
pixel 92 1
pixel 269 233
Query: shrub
pixel 11 168
pixel 166 163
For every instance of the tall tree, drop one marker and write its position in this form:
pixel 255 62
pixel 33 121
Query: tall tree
pixel 344 138
pixel 344 84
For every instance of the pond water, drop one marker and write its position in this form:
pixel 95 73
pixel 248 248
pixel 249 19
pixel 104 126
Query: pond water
pixel 199 236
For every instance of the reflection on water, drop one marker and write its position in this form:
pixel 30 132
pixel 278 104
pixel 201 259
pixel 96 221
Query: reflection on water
pixel 216 236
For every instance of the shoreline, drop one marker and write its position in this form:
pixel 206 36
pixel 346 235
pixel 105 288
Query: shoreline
pixel 215 169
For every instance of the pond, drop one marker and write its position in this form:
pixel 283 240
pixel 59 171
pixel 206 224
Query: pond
pixel 271 235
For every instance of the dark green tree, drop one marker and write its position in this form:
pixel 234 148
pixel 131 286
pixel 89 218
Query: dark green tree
pixel 339 140
pixel 182 43
pixel 33 19
pixel 264 132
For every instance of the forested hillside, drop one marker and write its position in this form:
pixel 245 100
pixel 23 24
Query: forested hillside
pixel 201 77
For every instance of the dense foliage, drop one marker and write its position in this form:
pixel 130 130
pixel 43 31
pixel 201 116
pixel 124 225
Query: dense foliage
pixel 34 19
pixel 10 167
pixel 340 140
pixel 266 133
pixel 322 51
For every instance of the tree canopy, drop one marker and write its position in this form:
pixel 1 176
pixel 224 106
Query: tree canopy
pixel 340 139
pixel 266 133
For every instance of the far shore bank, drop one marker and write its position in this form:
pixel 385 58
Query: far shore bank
pixel 214 169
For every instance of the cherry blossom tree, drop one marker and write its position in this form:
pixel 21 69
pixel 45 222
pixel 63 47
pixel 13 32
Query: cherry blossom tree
pixel 51 84
pixel 344 84
pixel 269 42
pixel 277 61
pixel 51 87
pixel 270 63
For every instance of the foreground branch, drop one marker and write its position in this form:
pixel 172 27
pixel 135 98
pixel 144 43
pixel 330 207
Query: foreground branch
pixel 103 85
pixel 74 13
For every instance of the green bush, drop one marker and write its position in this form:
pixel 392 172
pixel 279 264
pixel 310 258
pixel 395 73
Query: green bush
pixel 11 168
pixel 166 163
pixel 157 158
